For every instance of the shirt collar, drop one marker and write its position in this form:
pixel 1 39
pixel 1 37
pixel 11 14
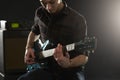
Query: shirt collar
pixel 65 9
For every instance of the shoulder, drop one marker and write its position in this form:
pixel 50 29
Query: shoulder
pixel 39 11
pixel 75 14
pixel 78 14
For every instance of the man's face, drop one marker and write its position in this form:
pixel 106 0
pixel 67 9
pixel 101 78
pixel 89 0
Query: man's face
pixel 50 5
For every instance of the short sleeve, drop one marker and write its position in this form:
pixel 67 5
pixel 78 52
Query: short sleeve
pixel 35 28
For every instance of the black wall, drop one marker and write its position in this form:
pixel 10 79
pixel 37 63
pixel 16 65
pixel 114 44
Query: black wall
pixel 18 9
pixel 103 20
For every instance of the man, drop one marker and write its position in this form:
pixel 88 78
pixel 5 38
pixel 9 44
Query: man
pixel 61 25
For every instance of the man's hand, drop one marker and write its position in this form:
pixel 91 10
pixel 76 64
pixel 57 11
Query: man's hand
pixel 62 60
pixel 29 57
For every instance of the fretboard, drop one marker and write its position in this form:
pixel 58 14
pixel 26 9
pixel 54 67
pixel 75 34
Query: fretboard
pixel 50 52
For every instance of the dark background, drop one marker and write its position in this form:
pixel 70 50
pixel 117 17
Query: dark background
pixel 103 20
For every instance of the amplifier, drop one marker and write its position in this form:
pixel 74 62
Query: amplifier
pixel 12 48
pixel 15 25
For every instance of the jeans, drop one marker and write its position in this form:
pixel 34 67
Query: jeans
pixel 41 74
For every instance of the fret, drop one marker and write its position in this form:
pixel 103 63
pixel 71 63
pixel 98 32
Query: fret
pixel 48 53
pixel 70 47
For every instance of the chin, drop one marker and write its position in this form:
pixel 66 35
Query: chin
pixel 52 12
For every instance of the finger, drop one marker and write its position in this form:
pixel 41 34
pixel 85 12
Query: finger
pixel 30 61
pixel 59 50
pixel 55 53
pixel 67 55
pixel 33 55
pixel 30 53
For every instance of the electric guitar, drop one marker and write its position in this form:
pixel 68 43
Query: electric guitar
pixel 87 45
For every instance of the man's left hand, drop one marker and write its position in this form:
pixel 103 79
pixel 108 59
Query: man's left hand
pixel 62 60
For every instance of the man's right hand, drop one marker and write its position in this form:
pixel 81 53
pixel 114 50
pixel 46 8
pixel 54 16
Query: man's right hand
pixel 29 57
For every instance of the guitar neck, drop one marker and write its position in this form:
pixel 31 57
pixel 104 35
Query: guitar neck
pixel 88 44
pixel 50 52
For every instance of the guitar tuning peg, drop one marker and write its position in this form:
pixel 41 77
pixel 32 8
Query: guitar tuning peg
pixel 92 51
pixel 88 37
pixel 93 37
pixel 88 51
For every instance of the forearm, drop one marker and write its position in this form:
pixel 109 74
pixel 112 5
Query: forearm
pixel 78 61
pixel 30 40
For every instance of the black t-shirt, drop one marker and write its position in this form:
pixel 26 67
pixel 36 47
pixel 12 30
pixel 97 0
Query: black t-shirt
pixel 65 27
